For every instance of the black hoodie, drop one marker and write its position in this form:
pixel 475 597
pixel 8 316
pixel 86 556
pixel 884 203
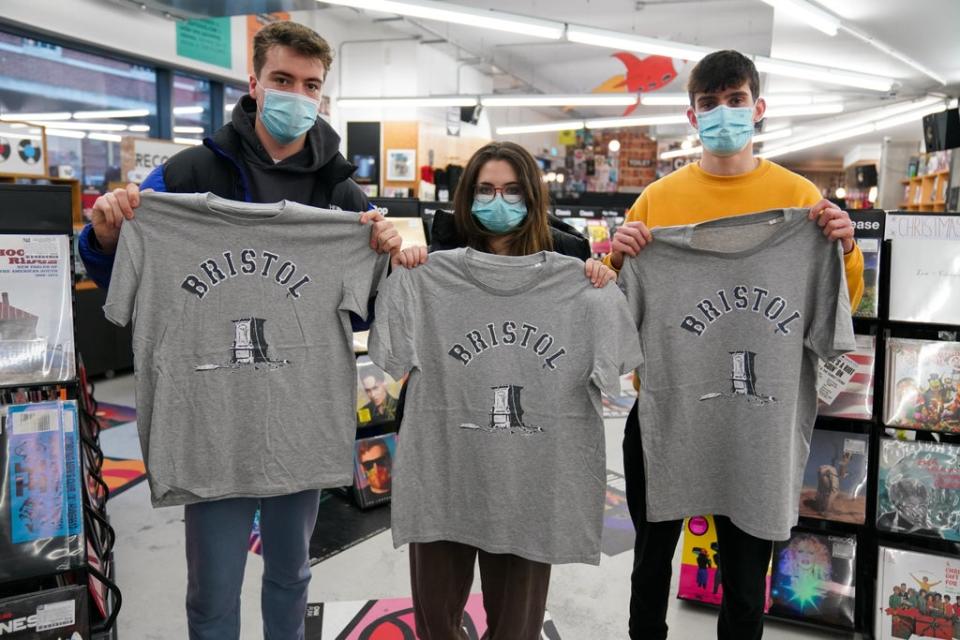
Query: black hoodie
pixel 233 164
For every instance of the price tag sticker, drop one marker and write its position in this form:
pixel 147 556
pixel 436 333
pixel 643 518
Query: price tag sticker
pixel 56 615
pixel 833 376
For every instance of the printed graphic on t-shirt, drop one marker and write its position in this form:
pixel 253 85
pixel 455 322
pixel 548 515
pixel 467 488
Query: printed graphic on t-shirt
pixel 249 348
pixel 508 334
pixel 743 380
pixel 739 300
pixel 506 415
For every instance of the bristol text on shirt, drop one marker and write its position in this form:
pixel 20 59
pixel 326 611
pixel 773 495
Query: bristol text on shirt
pixel 740 300
pixel 509 334
pixel 217 272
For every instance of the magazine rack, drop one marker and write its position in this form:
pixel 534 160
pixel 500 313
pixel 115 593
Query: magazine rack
pixel 32 209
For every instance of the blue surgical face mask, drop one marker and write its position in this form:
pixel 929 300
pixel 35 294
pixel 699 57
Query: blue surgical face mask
pixel 499 216
pixel 725 131
pixel 286 115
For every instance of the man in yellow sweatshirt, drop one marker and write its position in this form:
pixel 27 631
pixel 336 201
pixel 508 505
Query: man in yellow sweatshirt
pixel 725 105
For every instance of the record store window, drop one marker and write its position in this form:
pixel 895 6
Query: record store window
pixel 85 101
pixel 191 109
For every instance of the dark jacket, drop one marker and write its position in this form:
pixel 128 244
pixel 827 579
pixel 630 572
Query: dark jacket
pixel 218 166
pixel 566 239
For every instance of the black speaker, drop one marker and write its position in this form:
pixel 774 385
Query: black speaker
pixel 941 131
pixel 866 175
pixel 470 115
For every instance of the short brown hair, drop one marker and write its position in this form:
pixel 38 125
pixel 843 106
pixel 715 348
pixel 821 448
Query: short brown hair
pixel 301 39
pixel 722 70
pixel 533 234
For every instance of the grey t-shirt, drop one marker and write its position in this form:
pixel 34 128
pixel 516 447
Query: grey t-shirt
pixel 733 316
pixel 246 378
pixel 502 444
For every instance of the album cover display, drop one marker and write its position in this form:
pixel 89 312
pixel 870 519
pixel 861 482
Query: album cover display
pixel 41 524
pixel 377 394
pixel 869 228
pixel 373 470
pixel 924 274
pixel 917 596
pixel 870 248
pixel 36 310
pixel 835 478
pixel 701 563
pixel 919 489
pixel 814 578
pixel 845 384
pixel 923 385
pixel 53 614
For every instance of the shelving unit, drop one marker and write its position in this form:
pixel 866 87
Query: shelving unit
pixel 927 192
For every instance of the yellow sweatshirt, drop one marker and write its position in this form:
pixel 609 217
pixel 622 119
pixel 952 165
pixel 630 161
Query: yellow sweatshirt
pixel 690 195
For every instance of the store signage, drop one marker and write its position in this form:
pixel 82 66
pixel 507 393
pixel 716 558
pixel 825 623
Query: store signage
pixel 140 156
pixel 205 40
pixel 922 227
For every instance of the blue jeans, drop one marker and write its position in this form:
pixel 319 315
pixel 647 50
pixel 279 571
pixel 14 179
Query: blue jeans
pixel 218 536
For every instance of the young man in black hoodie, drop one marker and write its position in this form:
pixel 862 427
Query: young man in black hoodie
pixel 274 148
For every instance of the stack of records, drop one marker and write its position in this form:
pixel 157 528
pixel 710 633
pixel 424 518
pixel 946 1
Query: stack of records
pixel 36 310
pixel 814 578
pixel 41 524
pixel 845 384
pixel 835 478
pixel 918 596
pixel 55 614
pixel 923 385
pixel 700 563
pixel 373 470
pixel 919 492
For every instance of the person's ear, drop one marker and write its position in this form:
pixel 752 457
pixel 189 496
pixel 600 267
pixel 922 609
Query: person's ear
pixel 252 86
pixel 692 118
pixel 759 110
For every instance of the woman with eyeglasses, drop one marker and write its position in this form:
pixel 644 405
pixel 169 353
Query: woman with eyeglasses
pixel 500 207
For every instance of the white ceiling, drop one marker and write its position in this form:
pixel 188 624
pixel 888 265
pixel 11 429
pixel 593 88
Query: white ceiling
pixel 926 30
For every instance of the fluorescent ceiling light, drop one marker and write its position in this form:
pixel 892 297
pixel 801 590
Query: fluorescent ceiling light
pixel 639 44
pixel 805 11
pixel 190 141
pixel 185 111
pixel 446 12
pixel 583 100
pixel 139 128
pixel 26 117
pixel 642 121
pixel 760 137
pixel 88 126
pixel 106 137
pixel 540 128
pixel 774 99
pixel 426 101
pixel 895 53
pixel 188 129
pixel 830 24
pixel 113 113
pixel 873 121
pixel 64 133
pixel 822 74
pixel 809 110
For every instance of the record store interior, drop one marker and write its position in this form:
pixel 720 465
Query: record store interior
pixel 437 320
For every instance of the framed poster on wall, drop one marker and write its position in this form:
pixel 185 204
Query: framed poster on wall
pixel 401 165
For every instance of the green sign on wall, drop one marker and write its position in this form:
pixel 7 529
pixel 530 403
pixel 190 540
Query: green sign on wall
pixel 205 40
